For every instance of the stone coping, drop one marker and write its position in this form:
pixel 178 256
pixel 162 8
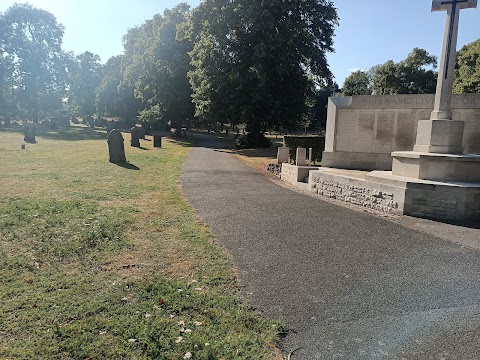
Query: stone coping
pixel 436 156
pixel 387 178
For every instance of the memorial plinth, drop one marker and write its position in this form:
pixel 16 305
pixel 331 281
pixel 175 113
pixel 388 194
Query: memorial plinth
pixel 438 154
pixel 431 175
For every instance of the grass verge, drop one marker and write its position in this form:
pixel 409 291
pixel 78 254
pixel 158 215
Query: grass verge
pixel 100 261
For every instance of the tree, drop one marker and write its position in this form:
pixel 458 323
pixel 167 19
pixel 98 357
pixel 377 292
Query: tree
pixel 259 62
pixel 409 76
pixel 108 100
pixel 33 45
pixel 467 70
pixel 85 77
pixel 357 83
pixel 163 85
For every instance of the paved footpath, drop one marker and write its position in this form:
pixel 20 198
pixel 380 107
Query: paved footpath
pixel 347 284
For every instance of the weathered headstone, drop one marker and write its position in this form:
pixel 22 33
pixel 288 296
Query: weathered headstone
pixel 141 131
pixel 157 140
pixel 135 139
pixel 283 154
pixel 110 126
pixel 30 133
pixel 301 158
pixel 116 148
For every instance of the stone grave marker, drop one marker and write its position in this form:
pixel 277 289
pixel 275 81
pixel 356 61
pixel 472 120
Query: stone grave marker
pixel 116 148
pixel 135 140
pixel 157 140
pixel 301 156
pixel 141 131
pixel 283 154
pixel 110 126
pixel 29 132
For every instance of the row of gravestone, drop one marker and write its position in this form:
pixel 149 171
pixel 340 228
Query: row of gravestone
pixel 283 156
pixel 116 147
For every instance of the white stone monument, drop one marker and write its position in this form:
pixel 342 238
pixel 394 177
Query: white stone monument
pixel 438 152
pixel 435 180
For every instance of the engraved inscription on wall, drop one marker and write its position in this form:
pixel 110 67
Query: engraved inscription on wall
pixel 358 195
pixel 384 132
pixel 405 134
pixel 345 130
pixel 366 125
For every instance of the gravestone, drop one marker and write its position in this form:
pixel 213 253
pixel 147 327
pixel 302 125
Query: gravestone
pixel 135 139
pixel 30 133
pixel 301 158
pixel 157 140
pixel 110 126
pixel 141 131
pixel 283 154
pixel 116 148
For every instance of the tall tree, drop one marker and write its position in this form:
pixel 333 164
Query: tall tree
pixel 34 39
pixel 108 100
pixel 467 71
pixel 414 75
pixel 357 83
pixel 259 62
pixel 163 85
pixel 85 77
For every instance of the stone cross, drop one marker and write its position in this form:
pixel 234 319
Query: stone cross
pixel 443 97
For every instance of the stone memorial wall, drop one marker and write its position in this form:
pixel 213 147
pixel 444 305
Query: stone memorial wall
pixel 363 131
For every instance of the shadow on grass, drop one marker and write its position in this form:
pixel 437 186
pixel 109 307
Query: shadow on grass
pixel 127 166
pixel 67 134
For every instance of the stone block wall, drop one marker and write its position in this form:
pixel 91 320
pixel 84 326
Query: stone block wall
pixel 357 191
pixel 362 131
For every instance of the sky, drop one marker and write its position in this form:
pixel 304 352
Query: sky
pixel 370 31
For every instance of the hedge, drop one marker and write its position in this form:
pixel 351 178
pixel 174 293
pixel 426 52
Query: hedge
pixel 317 143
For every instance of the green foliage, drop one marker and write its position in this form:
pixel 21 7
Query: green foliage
pixel 357 83
pixel 84 81
pixel 409 76
pixel 252 140
pixel 317 143
pixel 467 71
pixel 154 70
pixel 31 56
pixel 259 62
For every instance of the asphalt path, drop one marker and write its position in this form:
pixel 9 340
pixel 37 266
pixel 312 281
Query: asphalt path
pixel 346 284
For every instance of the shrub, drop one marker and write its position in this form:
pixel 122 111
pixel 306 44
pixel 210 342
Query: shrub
pixel 317 143
pixel 252 140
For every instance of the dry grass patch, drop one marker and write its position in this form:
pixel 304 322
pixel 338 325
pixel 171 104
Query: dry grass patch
pixel 103 261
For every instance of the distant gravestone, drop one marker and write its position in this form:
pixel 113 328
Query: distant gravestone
pixel 110 126
pixel 29 132
pixel 115 147
pixel 141 131
pixel 135 139
pixel 157 140
pixel 283 154
pixel 301 156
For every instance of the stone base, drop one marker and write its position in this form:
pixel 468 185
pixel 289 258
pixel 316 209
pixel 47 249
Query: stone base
pixel 293 174
pixel 440 136
pixel 436 167
pixel 381 190
pixel 356 160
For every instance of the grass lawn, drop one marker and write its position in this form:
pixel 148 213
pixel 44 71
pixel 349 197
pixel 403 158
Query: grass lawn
pixel 100 261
